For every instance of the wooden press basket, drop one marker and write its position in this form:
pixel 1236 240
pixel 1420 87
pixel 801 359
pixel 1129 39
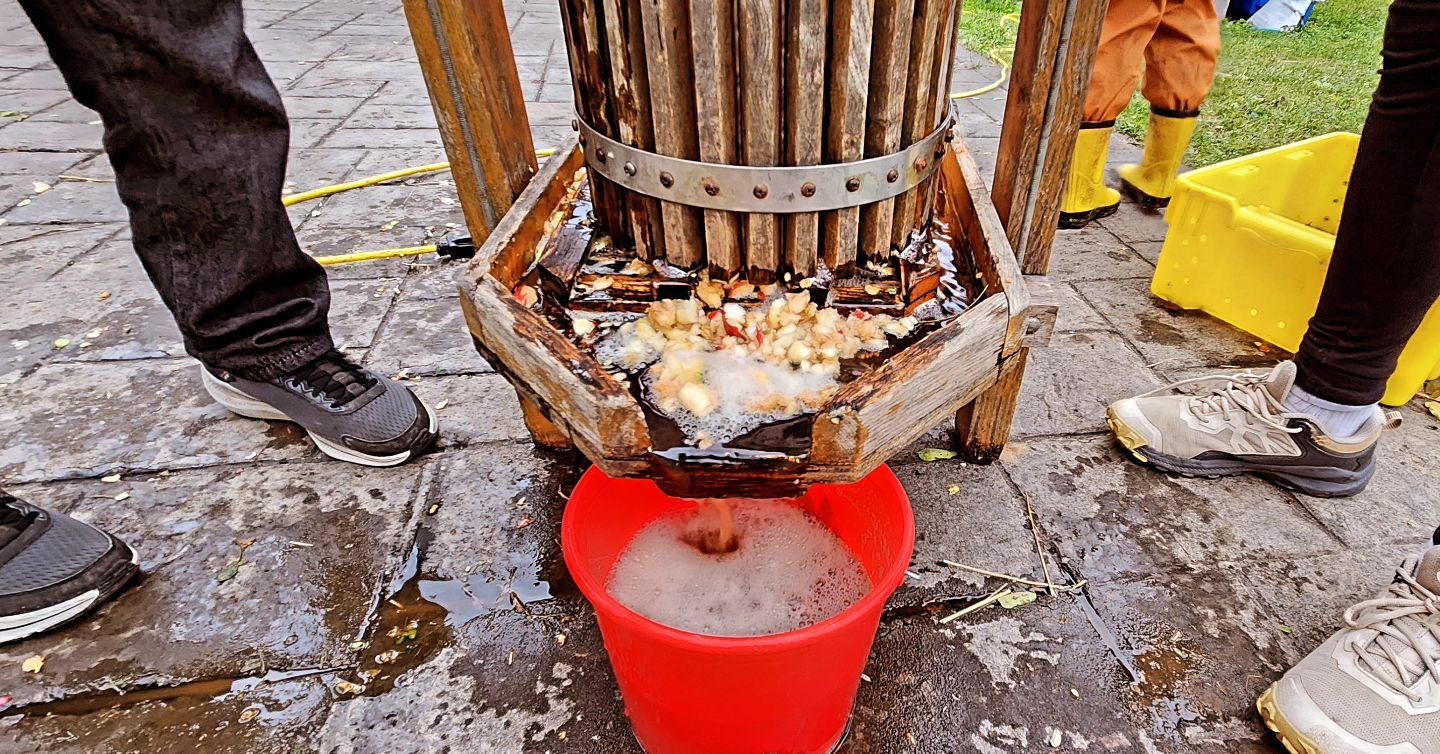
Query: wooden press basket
pixel 758 140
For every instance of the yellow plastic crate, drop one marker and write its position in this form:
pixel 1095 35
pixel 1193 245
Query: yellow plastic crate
pixel 1250 240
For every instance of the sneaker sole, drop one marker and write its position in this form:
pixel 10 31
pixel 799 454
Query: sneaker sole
pixel 243 404
pixel 1283 730
pixel 17 627
pixel 1318 481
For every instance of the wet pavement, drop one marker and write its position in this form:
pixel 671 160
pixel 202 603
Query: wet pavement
pixel 293 604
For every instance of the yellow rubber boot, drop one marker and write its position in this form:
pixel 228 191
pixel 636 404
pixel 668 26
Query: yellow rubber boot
pixel 1152 182
pixel 1087 198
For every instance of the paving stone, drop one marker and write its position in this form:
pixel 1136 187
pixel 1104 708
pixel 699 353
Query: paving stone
pixel 362 88
pixel 364 49
pixel 421 115
pixel 1149 250
pixel 412 206
pixel 28 101
pixel 72 202
pixel 377 161
pixel 477 408
pixel 1111 518
pixel 322 240
pixel 257 718
pixel 1175 626
pixel 276 45
pixel 32 253
pixel 1070 382
pixel 1094 253
pixel 47 78
pixel 427 337
pixel 1168 337
pixel 381 138
pixel 68 111
pixel 308 132
pixel 1076 314
pixel 35 320
pixel 51 137
pixel 68 420
pixel 38 165
pixel 314 168
pixel 294 606
pixel 1133 224
pixel 1002 543
pixel 321 107
pixel 132 322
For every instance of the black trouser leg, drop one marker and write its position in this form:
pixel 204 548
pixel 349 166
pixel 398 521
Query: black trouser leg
pixel 1385 273
pixel 198 138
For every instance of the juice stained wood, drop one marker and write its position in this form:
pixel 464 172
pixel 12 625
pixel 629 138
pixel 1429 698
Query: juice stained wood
pixel 630 98
pixel 885 113
pixel 672 107
pixel 926 61
pixel 946 70
pixel 761 79
pixel 589 76
pixel 712 37
pixel 806 22
pixel 849 77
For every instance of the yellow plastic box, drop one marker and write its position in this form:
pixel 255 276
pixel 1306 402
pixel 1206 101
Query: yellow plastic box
pixel 1250 240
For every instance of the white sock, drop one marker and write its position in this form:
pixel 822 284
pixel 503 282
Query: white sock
pixel 1338 420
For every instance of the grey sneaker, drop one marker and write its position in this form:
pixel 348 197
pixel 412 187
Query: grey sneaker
pixel 1374 687
pixel 350 412
pixel 1237 424
pixel 53 568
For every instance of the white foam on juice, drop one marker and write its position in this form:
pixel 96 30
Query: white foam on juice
pixel 788 572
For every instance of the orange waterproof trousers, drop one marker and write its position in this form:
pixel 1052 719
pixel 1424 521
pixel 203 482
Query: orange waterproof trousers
pixel 1175 42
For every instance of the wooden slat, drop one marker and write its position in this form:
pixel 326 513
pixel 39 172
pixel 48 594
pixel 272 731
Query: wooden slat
pixel 890 64
pixel 466 60
pixel 712 36
pixel 510 248
pixel 945 74
pixel 672 107
pixel 1042 119
pixel 597 411
pixel 589 64
pixel 544 432
pixel 925 62
pixel 761 79
pixel 845 120
pixel 806 23
pixel 630 99
pixel 874 417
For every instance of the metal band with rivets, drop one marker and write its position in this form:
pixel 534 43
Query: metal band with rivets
pixel 745 188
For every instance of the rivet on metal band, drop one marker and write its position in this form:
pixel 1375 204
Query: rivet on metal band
pixel 746 188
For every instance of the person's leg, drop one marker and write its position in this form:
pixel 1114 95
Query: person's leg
pixel 1385 272
pixel 1129 25
pixel 198 138
pixel 1180 64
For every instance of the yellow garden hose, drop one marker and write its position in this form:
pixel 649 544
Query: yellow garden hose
pixel 1001 55
pixel 366 256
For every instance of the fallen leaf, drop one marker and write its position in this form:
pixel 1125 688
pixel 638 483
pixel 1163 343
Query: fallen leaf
pixel 111 478
pixel 560 639
pixel 1056 738
pixel 23 203
pixel 103 295
pixel 936 454
pixel 249 714
pixel 122 496
pixel 388 656
pixel 524 522
pixel 252 665
pixel 1075 693
pixel 953 489
pixel 34 664
pixel 1434 408
pixel 441 405
pixel 1286 629
pixel 40 187
pixel 62 342
pixel 228 572
pixel 1012 600
pixel 346 687
pixel 390 225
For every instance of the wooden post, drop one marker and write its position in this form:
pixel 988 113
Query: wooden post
pixel 1054 58
pixel 465 56
pixel 1056 49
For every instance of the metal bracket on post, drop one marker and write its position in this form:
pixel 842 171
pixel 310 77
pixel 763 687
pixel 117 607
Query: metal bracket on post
pixel 748 188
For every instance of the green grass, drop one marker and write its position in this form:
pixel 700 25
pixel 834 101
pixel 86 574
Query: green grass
pixel 1272 89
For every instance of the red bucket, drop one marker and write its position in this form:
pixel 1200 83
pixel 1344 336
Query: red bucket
pixel 787 693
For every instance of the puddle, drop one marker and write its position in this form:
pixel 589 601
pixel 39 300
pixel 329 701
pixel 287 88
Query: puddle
pixel 183 699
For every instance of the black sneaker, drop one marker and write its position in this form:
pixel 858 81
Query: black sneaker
pixel 54 568
pixel 350 412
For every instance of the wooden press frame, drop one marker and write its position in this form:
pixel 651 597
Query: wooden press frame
pixel 465 54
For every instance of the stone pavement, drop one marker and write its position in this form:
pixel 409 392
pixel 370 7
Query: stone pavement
pixel 1200 592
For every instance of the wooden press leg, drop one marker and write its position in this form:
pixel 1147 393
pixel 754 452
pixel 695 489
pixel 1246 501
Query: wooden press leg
pixel 542 430
pixel 983 427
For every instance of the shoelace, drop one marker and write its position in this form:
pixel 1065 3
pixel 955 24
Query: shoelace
pixel 13 520
pixel 1244 393
pixel 333 379
pixel 1401 620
